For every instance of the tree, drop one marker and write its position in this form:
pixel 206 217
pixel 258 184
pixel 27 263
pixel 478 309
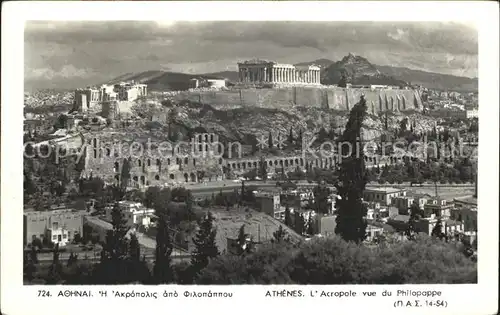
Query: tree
pixel 290 136
pixel 321 199
pixel 288 217
pixel 351 225
pixel 415 214
pixel 73 258
pixel 243 241
pixel 263 169
pixel 162 269
pixel 34 254
pixel 29 266
pixel 310 227
pixel 279 235
pixel 112 268
pixel 138 271
pixel 125 174
pixel 205 247
pixel 437 231
pixel 55 270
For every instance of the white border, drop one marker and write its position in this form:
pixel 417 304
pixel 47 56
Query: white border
pixel 462 299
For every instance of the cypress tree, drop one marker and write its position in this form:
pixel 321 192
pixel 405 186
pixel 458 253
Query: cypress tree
pixel 113 266
pixel 351 225
pixel 205 247
pixel 270 140
pixel 263 169
pixel 437 231
pixel 125 174
pixel 415 215
pixel 55 270
pixel 288 218
pixel 290 136
pixel 162 269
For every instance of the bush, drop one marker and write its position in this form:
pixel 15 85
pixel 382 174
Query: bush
pixel 334 261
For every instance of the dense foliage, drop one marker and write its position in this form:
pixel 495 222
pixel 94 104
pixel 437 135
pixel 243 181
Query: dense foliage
pixel 334 261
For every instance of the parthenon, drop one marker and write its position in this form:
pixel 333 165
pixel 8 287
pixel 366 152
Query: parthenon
pixel 261 71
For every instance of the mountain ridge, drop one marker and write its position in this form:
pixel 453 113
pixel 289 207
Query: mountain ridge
pixel 358 69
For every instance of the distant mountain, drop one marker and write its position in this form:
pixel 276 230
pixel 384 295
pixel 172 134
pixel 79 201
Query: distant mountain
pixel 323 63
pixel 432 80
pixel 358 71
pixel 229 75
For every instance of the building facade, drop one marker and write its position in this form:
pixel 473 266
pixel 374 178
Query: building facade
pixel 261 71
pixel 382 195
pixel 91 99
pixel 57 226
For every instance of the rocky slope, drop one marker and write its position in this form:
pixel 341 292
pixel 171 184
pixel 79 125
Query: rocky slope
pixel 239 124
pixel 358 71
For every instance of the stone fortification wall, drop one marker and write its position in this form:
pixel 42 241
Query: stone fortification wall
pixel 326 97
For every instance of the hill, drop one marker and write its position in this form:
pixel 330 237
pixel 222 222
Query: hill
pixel 358 71
pixel 323 63
pixel 432 80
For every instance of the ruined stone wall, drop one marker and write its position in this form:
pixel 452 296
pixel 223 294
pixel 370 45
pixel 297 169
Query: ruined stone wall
pixel 310 97
pixel 333 98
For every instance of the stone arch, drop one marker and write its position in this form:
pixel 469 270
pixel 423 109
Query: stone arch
pixel 206 137
pixel 399 103
pixel 301 162
pixel 291 162
pixel 94 142
pixel 249 164
pixel 415 102
pixel 139 162
pixel 158 162
pixel 244 165
pixel 108 152
pixel 135 179
pixel 380 102
pixel 386 103
pixel 212 137
pixel 276 162
pixel 192 177
pixel 297 161
pixel 281 162
pixel 143 180
pixel 270 163
pixel 220 161
pixel 234 165
pixel 172 176
pixel 116 166
pixel 286 162
pixel 149 162
pixel 254 164
pixel 392 103
pixel 157 177
pixel 403 99
pixel 186 160
pixel 186 177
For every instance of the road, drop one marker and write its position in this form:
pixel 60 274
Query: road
pixel 206 190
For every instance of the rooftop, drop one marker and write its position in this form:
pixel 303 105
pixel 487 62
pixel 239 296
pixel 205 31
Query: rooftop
pixel 386 190
pixel 469 200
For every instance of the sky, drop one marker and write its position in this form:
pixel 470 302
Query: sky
pixel 72 54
